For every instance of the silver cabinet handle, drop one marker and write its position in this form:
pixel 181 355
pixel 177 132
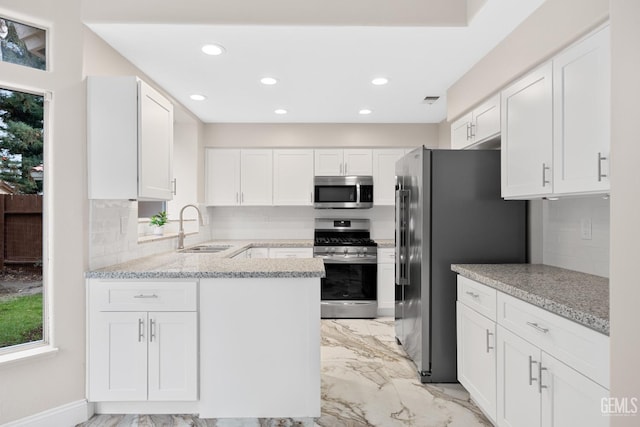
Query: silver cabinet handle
pixel 600 174
pixel 237 197
pixel 545 168
pixel 531 363
pixel 145 296
pixel 473 294
pixel 140 330
pixel 341 169
pixel 242 197
pixel 468 131
pixel 152 331
pixel 489 334
pixel 346 169
pixel 540 385
pixel 472 134
pixel 538 327
pixel 175 186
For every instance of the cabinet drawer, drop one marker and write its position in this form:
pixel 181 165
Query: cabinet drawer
pixel 479 297
pixel 291 253
pixel 387 256
pixel 143 296
pixel 584 349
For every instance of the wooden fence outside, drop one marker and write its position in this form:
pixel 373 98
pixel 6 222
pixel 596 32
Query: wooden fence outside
pixel 21 227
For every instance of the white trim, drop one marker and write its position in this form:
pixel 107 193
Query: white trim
pixel 70 414
pixel 19 356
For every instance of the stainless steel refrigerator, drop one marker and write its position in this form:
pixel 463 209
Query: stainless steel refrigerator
pixel 448 211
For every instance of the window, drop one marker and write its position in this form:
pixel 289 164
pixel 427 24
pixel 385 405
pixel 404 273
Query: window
pixel 21 218
pixel 22 44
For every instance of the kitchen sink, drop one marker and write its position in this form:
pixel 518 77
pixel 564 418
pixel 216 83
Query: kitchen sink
pixel 205 249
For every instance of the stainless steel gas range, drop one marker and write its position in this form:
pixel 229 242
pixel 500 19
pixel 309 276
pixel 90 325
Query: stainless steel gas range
pixel 349 289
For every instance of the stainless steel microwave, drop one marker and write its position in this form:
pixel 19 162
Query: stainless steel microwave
pixel 343 192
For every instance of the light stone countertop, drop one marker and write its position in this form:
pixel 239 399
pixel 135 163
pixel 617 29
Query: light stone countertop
pixel 175 265
pixel 581 297
pixel 386 243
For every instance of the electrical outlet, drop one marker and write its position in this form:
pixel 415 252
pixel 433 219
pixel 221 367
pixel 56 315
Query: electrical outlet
pixel 585 228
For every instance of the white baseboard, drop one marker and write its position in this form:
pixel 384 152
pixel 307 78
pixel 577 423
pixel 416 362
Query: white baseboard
pixel 62 416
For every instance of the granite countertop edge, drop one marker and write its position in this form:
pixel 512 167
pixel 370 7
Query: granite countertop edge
pixel 583 316
pixel 181 265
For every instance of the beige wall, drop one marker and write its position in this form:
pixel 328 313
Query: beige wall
pixel 550 28
pixel 34 385
pixel 320 135
pixel 625 205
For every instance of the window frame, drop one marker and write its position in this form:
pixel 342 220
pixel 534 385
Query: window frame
pixel 44 347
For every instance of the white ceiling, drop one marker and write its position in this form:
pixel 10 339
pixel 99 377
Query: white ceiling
pixel 324 71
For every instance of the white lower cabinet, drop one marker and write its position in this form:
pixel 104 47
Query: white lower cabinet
pixel 386 281
pixel 477 357
pixel 536 389
pixel 527 367
pixel 143 341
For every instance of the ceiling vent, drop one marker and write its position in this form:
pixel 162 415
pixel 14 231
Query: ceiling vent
pixel 430 99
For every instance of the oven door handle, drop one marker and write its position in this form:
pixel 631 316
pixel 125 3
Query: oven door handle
pixel 402 236
pixel 348 260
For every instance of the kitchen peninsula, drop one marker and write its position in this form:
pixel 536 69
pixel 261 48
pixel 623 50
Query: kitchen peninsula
pixel 217 334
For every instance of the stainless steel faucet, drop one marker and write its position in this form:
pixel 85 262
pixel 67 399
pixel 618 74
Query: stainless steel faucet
pixel 181 231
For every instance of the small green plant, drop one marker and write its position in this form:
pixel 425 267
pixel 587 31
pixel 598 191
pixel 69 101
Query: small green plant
pixel 159 219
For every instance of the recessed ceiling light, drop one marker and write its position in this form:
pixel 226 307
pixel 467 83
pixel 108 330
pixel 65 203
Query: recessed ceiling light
pixel 379 81
pixel 365 111
pixel 280 111
pixel 213 49
pixel 198 97
pixel 268 81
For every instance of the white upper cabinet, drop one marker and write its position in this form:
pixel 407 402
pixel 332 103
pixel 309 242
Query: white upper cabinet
pixel 556 124
pixel 480 125
pixel 527 135
pixel 239 177
pixel 222 177
pixel 337 162
pixel 293 177
pixel 384 175
pixel 256 177
pixel 130 140
pixel 581 78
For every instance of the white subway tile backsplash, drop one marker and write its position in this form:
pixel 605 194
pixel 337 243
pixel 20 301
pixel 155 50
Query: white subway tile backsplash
pixel 562 242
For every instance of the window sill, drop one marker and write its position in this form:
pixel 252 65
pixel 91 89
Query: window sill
pixel 27 355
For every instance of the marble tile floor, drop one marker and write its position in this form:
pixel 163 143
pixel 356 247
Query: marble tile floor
pixel 367 381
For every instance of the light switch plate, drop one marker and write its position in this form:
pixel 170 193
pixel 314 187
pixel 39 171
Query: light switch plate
pixel 585 228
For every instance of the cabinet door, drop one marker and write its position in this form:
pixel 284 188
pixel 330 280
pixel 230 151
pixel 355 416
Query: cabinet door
pixel 293 177
pixel 517 373
pixel 386 283
pixel 358 161
pixel 581 78
pixel 222 171
pixel 461 132
pixel 155 145
pixel 486 120
pixel 328 162
pixel 118 356
pixel 384 175
pixel 173 356
pixel 477 357
pixel 569 398
pixel 256 177
pixel 527 135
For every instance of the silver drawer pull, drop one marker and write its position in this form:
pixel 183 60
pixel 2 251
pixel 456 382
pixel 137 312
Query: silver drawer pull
pixel 140 330
pixel 146 296
pixel 152 330
pixel 473 294
pixel 538 327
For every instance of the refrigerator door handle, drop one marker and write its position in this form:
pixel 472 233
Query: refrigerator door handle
pixel 402 237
